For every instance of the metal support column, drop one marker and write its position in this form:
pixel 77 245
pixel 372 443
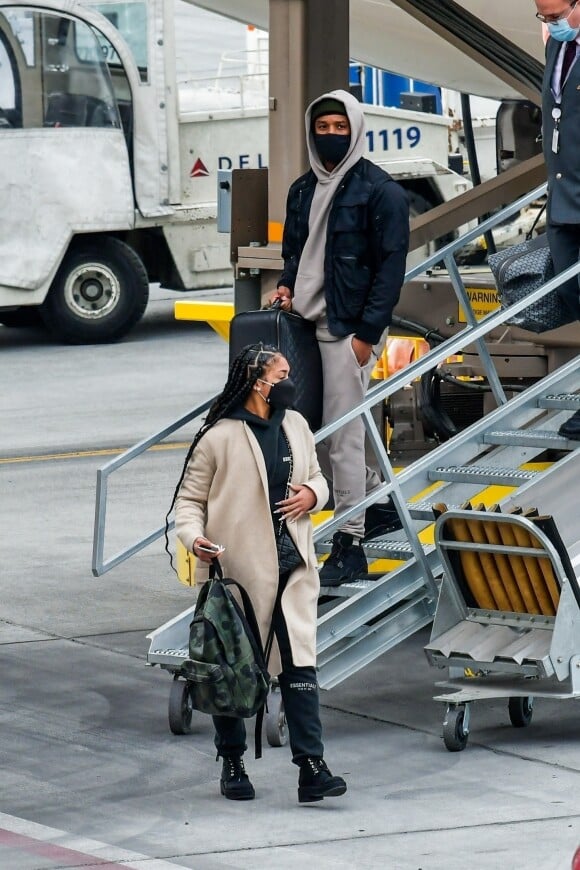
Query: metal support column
pixel 309 55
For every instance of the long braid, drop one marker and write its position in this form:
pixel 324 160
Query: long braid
pixel 244 371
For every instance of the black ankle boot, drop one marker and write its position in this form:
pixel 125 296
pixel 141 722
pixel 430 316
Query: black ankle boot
pixel 234 782
pixel 381 519
pixel 571 428
pixel 347 561
pixel 316 782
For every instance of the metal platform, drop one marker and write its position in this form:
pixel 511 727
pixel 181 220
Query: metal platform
pixel 531 649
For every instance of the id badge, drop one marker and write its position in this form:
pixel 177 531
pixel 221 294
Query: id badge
pixel 556 115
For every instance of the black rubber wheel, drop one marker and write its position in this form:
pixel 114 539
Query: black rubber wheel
pixel 99 293
pixel 276 733
pixel 180 707
pixel 521 711
pixel 455 735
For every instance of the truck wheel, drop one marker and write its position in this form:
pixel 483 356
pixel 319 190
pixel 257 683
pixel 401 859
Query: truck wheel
pixel 98 294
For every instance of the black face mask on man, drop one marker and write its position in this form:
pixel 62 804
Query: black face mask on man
pixel 332 147
pixel 282 393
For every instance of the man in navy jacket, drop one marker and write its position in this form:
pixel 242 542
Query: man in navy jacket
pixel 345 243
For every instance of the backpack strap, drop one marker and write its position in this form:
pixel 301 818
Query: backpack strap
pixel 216 572
pixel 246 603
pixel 253 624
pixel 260 713
pixel 530 232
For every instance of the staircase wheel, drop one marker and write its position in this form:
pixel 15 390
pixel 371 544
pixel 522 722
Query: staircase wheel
pixel 455 728
pixel 180 707
pixel 521 711
pixel 276 732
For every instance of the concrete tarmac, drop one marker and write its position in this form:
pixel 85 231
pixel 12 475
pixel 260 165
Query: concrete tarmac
pixel 92 776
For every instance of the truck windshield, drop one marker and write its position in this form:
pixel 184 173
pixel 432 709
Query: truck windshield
pixel 8 85
pixel 130 19
pixel 56 73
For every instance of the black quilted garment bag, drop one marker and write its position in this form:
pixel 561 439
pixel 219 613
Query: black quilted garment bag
pixel 520 270
pixel 296 339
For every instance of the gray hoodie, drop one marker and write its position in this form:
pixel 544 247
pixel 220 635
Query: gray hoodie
pixel 308 291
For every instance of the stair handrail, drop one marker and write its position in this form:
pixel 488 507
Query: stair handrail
pixel 100 565
pixel 473 332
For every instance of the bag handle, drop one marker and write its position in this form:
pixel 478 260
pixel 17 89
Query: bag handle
pixel 276 305
pixel 530 232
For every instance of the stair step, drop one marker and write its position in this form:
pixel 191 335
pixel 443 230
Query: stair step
pixel 562 401
pixel 423 510
pixel 380 548
pixel 529 438
pixel 347 590
pixel 389 549
pixel 486 474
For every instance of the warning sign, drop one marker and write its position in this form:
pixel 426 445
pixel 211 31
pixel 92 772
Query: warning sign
pixel 483 300
pixel 198 169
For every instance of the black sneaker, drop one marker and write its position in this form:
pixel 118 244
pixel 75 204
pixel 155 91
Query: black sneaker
pixel 571 428
pixel 347 561
pixel 316 782
pixel 380 519
pixel 234 782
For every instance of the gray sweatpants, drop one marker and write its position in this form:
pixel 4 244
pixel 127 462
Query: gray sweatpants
pixel 342 455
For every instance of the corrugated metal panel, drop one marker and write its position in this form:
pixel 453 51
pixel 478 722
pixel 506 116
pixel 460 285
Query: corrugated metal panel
pixel 489 643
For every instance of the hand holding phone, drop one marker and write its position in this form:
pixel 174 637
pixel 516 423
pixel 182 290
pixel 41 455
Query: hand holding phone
pixel 206 550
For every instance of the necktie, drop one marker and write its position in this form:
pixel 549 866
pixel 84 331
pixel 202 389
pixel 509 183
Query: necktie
pixel 569 57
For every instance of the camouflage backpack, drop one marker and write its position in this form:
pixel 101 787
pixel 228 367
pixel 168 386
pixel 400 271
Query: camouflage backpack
pixel 226 670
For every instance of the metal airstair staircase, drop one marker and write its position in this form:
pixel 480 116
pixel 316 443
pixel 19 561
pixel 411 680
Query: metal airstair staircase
pixel 485 463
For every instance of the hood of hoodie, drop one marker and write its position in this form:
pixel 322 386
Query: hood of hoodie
pixel 357 136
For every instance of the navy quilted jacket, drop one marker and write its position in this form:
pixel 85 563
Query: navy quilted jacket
pixel 366 248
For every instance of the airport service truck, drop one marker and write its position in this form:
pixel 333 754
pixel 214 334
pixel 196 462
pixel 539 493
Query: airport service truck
pixel 109 162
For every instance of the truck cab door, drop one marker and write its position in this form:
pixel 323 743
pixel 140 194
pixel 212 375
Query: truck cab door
pixel 63 153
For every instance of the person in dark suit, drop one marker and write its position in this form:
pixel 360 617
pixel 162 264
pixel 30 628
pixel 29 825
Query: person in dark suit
pixel 561 135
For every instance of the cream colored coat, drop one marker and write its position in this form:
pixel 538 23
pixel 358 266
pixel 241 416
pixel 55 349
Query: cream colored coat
pixel 224 497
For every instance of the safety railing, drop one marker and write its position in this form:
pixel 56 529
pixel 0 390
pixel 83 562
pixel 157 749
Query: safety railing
pixel 241 82
pixel 101 565
pixel 473 333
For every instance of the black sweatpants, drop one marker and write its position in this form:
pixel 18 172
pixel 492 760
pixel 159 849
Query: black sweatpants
pixel 564 241
pixel 299 689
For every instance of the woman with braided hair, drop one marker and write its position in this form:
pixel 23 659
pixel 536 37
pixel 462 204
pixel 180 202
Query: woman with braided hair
pixel 250 481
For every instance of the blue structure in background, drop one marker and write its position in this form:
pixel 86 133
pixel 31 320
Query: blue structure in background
pixel 380 88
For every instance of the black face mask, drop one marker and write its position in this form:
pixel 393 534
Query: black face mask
pixel 282 393
pixel 332 147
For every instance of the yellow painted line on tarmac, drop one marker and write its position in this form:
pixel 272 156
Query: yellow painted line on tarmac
pixel 82 454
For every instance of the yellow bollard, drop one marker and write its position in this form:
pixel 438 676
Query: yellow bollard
pixel 185 562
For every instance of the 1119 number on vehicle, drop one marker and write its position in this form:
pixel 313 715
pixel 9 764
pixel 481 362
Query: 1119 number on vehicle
pixel 393 140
